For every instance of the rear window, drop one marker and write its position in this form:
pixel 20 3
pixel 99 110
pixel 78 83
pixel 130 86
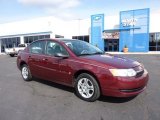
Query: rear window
pixel 21 45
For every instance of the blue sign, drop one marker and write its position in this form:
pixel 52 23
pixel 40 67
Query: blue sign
pixel 135 33
pixel 97 27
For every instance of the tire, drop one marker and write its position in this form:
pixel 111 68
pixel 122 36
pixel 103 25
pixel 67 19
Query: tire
pixel 12 55
pixel 87 87
pixel 25 72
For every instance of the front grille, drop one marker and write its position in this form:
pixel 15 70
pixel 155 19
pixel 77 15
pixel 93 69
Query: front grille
pixel 131 90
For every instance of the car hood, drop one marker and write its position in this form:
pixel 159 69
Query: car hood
pixel 113 61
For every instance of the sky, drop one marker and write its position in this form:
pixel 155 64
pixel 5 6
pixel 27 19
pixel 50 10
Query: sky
pixel 17 10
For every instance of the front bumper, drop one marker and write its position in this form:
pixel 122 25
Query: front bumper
pixel 127 86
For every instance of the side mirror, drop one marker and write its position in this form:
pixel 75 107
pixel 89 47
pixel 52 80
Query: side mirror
pixel 60 55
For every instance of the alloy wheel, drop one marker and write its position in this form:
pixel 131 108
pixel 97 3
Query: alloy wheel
pixel 25 72
pixel 85 88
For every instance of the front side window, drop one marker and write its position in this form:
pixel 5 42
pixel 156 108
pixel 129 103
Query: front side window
pixel 37 47
pixel 54 48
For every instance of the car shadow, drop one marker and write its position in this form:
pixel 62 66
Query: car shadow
pixel 72 90
pixel 55 85
pixel 116 99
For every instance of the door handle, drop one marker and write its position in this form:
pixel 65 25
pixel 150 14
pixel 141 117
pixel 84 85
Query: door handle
pixel 30 57
pixel 44 59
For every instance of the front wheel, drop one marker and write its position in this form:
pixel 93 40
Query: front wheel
pixel 26 74
pixel 87 87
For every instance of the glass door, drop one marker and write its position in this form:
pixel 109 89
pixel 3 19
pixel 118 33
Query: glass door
pixel 154 42
pixel 112 45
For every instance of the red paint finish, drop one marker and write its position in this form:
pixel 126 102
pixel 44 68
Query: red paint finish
pixel 65 70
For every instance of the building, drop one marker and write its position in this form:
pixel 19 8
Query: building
pixel 110 33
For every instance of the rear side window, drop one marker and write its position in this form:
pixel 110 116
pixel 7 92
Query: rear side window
pixel 37 47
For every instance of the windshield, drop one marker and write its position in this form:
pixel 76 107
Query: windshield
pixel 81 48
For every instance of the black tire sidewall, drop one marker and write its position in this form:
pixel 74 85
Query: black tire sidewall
pixel 96 93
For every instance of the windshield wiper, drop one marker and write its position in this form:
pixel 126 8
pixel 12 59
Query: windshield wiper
pixel 84 54
pixel 97 53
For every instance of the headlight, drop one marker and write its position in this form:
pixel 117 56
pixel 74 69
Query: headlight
pixel 123 72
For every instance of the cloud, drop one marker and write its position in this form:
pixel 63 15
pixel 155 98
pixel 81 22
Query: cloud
pixel 52 3
pixel 58 8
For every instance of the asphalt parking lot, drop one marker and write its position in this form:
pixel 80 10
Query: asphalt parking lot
pixel 42 100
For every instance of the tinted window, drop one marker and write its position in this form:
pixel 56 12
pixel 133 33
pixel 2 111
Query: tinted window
pixel 53 48
pixel 37 47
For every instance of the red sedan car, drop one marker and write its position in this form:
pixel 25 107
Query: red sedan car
pixel 83 66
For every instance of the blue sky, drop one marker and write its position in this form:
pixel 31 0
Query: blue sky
pixel 16 10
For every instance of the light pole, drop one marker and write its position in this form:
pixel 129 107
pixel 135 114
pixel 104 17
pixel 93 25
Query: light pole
pixel 79 27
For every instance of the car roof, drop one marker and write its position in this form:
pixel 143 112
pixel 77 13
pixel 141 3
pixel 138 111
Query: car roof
pixel 57 39
pixel 64 40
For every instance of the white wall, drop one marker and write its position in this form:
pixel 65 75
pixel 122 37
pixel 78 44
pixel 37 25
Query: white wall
pixel 111 22
pixel 29 26
pixel 76 27
pixel 155 22
pixel 66 28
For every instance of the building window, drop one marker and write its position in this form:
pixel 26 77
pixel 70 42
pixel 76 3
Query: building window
pixel 9 43
pixel 30 39
pixel 83 38
pixel 47 36
pixel 41 37
pixel 59 36
pixel 26 40
pixel 154 42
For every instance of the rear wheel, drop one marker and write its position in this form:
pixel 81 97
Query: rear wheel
pixel 87 87
pixel 12 55
pixel 26 74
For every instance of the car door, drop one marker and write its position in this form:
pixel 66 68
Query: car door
pixel 55 65
pixel 66 71
pixel 51 63
pixel 35 60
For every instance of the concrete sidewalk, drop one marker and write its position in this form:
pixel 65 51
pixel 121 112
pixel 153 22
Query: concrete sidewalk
pixel 142 53
pixel 2 53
